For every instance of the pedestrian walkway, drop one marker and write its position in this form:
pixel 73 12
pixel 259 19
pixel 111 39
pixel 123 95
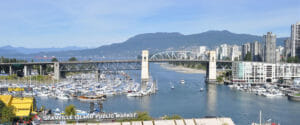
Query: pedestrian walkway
pixel 200 121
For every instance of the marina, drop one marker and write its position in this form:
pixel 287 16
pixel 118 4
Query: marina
pixel 84 87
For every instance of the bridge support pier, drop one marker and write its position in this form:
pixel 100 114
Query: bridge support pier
pixel 211 68
pixel 26 70
pixel 10 70
pixel 145 70
pixel 41 70
pixel 97 73
pixel 56 71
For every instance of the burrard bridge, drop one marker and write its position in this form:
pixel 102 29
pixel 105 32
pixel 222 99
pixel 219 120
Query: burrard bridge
pixel 59 68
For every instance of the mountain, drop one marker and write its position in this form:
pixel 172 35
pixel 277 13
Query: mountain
pixel 155 42
pixel 160 41
pixel 12 51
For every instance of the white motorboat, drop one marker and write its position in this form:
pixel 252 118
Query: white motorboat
pixel 134 94
pixel 62 97
pixel 201 89
pixel 182 81
pixel 43 94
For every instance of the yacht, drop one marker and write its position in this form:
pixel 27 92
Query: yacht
pixel 201 89
pixel 62 97
pixel 182 81
pixel 172 87
pixel 134 94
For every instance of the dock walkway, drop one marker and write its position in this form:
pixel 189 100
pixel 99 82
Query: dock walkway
pixel 200 121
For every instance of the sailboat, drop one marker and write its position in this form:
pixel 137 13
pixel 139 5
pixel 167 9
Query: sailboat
pixel 172 86
pixel 267 123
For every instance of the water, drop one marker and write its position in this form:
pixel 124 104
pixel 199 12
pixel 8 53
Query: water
pixel 187 101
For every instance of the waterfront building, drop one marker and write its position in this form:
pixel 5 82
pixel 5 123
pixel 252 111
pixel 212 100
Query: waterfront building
pixel 256 53
pixel 295 40
pixel 245 49
pixel 270 47
pixel 23 106
pixel 235 53
pixel 260 72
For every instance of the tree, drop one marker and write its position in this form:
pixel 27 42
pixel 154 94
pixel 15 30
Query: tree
pixel 54 60
pixel 248 57
pixel 143 116
pixel 73 59
pixel 227 58
pixel 2 105
pixel 7 114
pixel 292 60
pixel 70 110
pixel 236 59
pixel 172 117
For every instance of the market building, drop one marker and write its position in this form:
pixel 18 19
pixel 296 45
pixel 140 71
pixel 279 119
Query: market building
pixel 23 106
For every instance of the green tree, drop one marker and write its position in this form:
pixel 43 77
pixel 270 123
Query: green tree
pixel 220 79
pixel 248 57
pixel 143 116
pixel 227 58
pixel 70 110
pixel 42 108
pixel 2 105
pixel 292 60
pixel 73 59
pixel 7 114
pixel 54 60
pixel 172 117
pixel 236 59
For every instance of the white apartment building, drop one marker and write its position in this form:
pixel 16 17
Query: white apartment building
pixel 235 53
pixel 223 51
pixel 202 50
pixel 260 72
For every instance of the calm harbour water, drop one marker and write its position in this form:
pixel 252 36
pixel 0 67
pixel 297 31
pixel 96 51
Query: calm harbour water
pixel 187 101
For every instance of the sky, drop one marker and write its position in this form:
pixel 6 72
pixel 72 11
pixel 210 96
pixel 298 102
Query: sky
pixel 93 23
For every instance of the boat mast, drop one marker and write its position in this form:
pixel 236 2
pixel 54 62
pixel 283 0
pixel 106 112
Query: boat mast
pixel 259 117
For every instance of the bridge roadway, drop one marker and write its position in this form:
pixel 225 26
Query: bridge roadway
pixel 110 61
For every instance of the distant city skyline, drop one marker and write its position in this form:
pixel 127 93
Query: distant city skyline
pixel 48 23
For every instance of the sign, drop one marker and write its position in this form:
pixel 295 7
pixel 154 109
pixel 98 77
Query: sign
pixel 100 116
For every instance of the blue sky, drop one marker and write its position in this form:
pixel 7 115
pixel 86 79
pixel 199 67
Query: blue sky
pixel 92 23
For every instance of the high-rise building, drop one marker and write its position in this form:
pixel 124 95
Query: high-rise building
pixel 287 48
pixel 202 50
pixel 270 47
pixel 235 53
pixel 256 51
pixel 217 50
pixel 245 49
pixel 295 40
pixel 277 55
pixel 223 51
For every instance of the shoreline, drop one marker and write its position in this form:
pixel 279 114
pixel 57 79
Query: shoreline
pixel 182 69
